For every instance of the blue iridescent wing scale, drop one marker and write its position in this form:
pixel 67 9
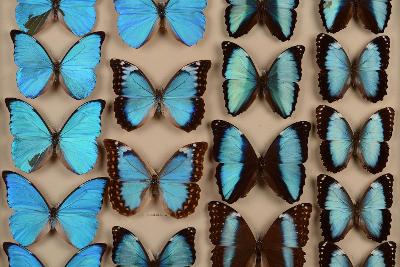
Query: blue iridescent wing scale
pixel 89 256
pixel 32 14
pixel 240 16
pixel 330 255
pixel 336 14
pixel 18 256
pixel 78 15
pixel 383 255
pixel 374 14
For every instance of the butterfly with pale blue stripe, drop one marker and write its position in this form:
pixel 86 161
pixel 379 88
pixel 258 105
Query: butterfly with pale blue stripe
pixel 367 74
pixel 339 142
pixel 137 20
pixel 89 256
pixel 178 252
pixel 330 255
pixel 77 69
pixel 236 246
pixel 371 214
pixel 76 215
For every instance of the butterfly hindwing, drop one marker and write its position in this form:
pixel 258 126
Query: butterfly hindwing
pixel 383 255
pixel 330 255
pixel 374 14
pixel 336 14
pixel 18 256
pixel 32 14
pixel 240 16
pixel 79 15
pixel 89 256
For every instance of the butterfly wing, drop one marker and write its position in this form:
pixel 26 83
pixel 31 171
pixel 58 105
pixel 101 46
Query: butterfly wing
pixel 179 251
pixel 78 67
pixel 283 244
pixel 89 256
pixel 337 138
pixel 237 161
pixel 229 233
pixel 336 14
pixel 335 68
pixel 79 15
pixel 240 16
pixel 182 97
pixel 34 66
pixel 136 20
pixel 241 78
pixel 337 208
pixel 130 177
pixel 30 210
pixel 372 77
pixel 383 255
pixel 282 89
pixel 373 149
pixel 187 19
pixel 284 160
pixel 178 179
pixel 32 14
pixel 375 14
pixel 330 255
pixel 18 256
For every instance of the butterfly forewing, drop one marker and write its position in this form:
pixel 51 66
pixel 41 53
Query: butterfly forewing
pixel 19 256
pixel 383 255
pixel 89 256
pixel 330 255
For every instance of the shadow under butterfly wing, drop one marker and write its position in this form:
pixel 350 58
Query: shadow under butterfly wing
pixel 330 255
pixel 30 15
pixel 89 256
pixel 383 255
pixel 18 256
pixel 240 16
pixel 336 14
pixel 374 14
pixel 79 15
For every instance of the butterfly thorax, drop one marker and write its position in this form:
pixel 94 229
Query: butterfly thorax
pixel 53 218
pixel 161 15
pixel 56 70
pixel 154 185
pixel 259 249
pixel 356 215
pixel 56 8
pixel 158 100
pixel 55 139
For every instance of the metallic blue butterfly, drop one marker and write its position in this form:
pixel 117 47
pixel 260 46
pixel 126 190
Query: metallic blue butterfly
pixel 178 252
pixel 77 69
pixel 76 215
pixel 235 244
pixel 78 15
pixel 374 14
pixel 181 100
pixel 137 19
pixel 339 142
pixel 367 74
pixel 278 85
pixel 239 167
pixel 371 213
pixel 330 255
pixel 34 141
pixel 89 256
pixel 177 181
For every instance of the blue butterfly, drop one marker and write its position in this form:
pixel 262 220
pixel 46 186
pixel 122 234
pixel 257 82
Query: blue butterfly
pixel 34 141
pixel 374 14
pixel 280 16
pixel 278 85
pixel 177 181
pixel 181 99
pixel 78 15
pixel 235 245
pixel 330 255
pixel 339 142
pixel 137 19
pixel 338 73
pixel 371 214
pixel 89 256
pixel 36 68
pixel 239 167
pixel 76 215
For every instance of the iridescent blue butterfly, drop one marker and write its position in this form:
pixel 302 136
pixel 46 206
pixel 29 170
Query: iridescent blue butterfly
pixel 236 246
pixel 371 214
pixel 338 73
pixel 89 256
pixel 280 16
pixel 339 142
pixel 330 255
pixel 77 69
pixel 78 15
pixel 278 85
pixel 137 19
pixel 34 141
pixel 76 215
pixel 178 252
pixel 181 100
pixel 239 167
pixel 177 181
pixel 374 14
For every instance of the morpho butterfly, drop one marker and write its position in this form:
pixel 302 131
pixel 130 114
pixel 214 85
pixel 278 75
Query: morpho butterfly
pixel 368 144
pixel 129 251
pixel 131 178
pixel 239 167
pixel 76 215
pixel 330 255
pixel 137 19
pixel 278 85
pixel 338 73
pixel 370 214
pixel 89 256
pixel 236 246
pixel 280 16
pixel 181 100
pixel 34 141
pixel 336 14
pixel 36 68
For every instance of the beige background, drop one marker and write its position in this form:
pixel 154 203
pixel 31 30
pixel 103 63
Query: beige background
pixel 158 139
